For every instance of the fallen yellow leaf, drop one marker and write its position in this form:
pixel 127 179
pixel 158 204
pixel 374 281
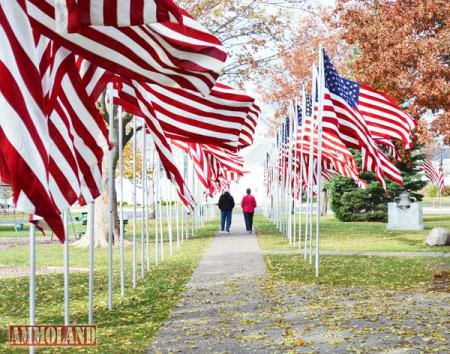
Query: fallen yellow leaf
pixel 299 342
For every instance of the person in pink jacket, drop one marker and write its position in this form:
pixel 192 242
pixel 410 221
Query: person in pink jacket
pixel 248 205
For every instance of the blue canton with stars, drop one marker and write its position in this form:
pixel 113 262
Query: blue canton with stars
pixel 346 89
pixel 286 131
pixel 299 115
pixel 308 104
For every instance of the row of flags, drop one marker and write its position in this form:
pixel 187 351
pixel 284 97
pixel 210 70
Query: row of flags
pixel 338 115
pixel 150 57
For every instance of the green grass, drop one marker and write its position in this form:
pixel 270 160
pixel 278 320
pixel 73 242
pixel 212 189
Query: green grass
pixel 135 318
pixel 380 272
pixel 356 236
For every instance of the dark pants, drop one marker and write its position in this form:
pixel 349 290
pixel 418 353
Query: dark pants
pixel 248 217
pixel 225 220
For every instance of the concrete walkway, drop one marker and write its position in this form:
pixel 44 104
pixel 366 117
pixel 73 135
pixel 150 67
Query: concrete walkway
pixel 366 254
pixel 225 309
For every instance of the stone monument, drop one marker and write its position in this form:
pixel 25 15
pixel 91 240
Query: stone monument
pixel 405 214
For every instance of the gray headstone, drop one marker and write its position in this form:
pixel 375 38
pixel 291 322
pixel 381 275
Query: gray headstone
pixel 405 219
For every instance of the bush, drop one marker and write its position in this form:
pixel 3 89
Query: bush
pixel 445 192
pixel 431 191
pixel 351 203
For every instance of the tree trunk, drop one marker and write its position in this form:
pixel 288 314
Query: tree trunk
pixel 101 218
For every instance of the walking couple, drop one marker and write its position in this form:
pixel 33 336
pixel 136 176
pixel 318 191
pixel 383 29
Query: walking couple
pixel 226 206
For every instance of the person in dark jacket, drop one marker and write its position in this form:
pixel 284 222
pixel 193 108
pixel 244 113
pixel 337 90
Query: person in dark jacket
pixel 226 205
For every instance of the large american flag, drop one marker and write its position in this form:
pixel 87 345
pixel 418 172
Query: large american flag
pixel 177 54
pixel 24 135
pixel 342 118
pixel 72 15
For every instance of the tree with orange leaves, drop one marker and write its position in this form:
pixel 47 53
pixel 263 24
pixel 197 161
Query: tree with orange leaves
pixel 402 47
pixel 312 30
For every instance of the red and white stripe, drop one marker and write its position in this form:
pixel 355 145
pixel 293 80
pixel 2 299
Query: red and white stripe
pixel 77 130
pixel 164 151
pixel 384 117
pixel 226 117
pixel 24 136
pixel 346 123
pixel 93 78
pixel 334 151
pixel 182 55
pixel 71 15
pixel 436 176
pixel 213 166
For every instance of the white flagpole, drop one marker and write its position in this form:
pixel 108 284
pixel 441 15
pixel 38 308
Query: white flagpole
pixel 277 183
pixel 289 176
pixel 156 199
pixel 294 172
pixel 143 192
pixel 177 205
pixel 182 224
pixel 169 218
pixel 286 185
pixel 177 221
pixel 161 231
pixel 319 155
pixel 147 221
pixel 110 208
pixel 307 216
pixel 311 202
pixel 121 230
pixel 32 286
pixel 301 172
pixel 183 208
pixel 177 212
pixel 186 219
pixel 308 226
pixel 66 269
pixel 194 211
pixel 134 203
pixel 91 263
pixel 283 180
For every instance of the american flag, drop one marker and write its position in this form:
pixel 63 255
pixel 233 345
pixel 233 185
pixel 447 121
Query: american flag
pixel 225 117
pixel 342 118
pixel 214 166
pixel 334 151
pixel 436 176
pixel 177 54
pixel 383 116
pixel 72 16
pixel 24 135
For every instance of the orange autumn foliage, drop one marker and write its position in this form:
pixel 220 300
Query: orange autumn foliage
pixel 296 61
pixel 402 47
